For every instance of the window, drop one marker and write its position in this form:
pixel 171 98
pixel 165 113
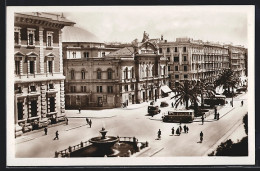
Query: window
pixel 82 75
pixel 168 58
pixel 73 54
pixel 103 54
pixel 20 110
pixel 184 58
pixel 52 104
pixel 17 67
pixel 126 87
pixel 169 68
pixel 184 49
pixel 185 76
pixel 176 76
pixel 109 74
pixel 31 63
pixel 98 74
pixel 176 59
pixel 17 35
pixel 20 90
pixel 33 89
pixel 175 49
pixel 160 50
pixel 16 38
pixel 109 89
pixel 176 68
pixel 51 86
pixel 50 66
pixel 83 89
pixel 30 39
pixel 99 89
pixel 72 89
pixel 126 73
pixel 132 86
pixel 33 108
pixel 185 68
pixel 49 38
pixel 86 54
pixel 168 49
pixel 72 74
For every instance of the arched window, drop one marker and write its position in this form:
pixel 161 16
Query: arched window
pixel 82 74
pixel 98 74
pixel 72 74
pixel 109 74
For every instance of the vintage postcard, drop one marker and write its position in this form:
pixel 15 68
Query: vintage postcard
pixel 130 85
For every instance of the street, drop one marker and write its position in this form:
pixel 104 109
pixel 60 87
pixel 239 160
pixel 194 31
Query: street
pixel 136 122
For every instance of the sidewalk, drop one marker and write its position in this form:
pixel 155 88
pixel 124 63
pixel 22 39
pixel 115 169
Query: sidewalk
pixel 106 113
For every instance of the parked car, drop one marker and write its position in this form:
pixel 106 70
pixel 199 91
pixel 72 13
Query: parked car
pixel 164 104
pixel 152 110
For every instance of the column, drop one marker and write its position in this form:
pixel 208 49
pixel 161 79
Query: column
pixel 41 50
pixel 60 52
pixel 21 67
pixel 28 67
pixel 62 98
pixel 43 101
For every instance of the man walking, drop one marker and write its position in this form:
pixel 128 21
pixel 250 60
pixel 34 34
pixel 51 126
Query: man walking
pixel 242 102
pixel 172 130
pixel 201 137
pixel 45 130
pixel 57 135
pixel 187 129
pixel 159 134
pixel 90 123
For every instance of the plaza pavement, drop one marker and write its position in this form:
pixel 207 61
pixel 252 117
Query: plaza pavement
pixel 39 145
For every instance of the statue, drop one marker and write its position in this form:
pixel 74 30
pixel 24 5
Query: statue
pixel 145 37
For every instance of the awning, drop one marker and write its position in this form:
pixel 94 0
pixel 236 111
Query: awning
pixel 166 89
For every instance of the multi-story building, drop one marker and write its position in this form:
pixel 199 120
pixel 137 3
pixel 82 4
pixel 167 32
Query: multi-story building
pixel 130 75
pixel 238 61
pixel 39 80
pixel 193 59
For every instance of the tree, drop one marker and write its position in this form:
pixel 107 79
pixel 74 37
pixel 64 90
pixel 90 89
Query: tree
pixel 185 92
pixel 228 80
pixel 205 88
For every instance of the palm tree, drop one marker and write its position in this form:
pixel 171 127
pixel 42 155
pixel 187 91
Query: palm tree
pixel 185 92
pixel 228 80
pixel 205 87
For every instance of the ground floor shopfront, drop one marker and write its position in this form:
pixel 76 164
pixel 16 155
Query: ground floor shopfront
pixel 38 104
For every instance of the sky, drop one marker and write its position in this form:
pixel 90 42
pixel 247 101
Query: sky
pixel 222 24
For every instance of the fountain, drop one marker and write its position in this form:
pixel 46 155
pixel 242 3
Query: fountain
pixel 104 143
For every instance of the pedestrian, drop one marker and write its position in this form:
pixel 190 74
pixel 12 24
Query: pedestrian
pixel 201 136
pixel 79 110
pixel 180 129
pixel 45 130
pixel 178 132
pixel 90 123
pixel 67 121
pixel 242 103
pixel 187 129
pixel 218 117
pixel 184 127
pixel 159 134
pixel 56 135
pixel 172 130
pixel 87 120
pixel 202 119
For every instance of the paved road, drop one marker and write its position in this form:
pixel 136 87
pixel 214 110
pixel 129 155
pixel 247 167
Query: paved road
pixel 136 123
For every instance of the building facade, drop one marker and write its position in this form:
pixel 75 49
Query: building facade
pixel 194 60
pixel 133 74
pixel 38 73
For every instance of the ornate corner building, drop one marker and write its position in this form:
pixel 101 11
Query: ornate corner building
pixel 102 76
pixel 38 75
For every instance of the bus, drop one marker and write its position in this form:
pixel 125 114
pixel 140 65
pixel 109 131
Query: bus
pixel 216 100
pixel 183 116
